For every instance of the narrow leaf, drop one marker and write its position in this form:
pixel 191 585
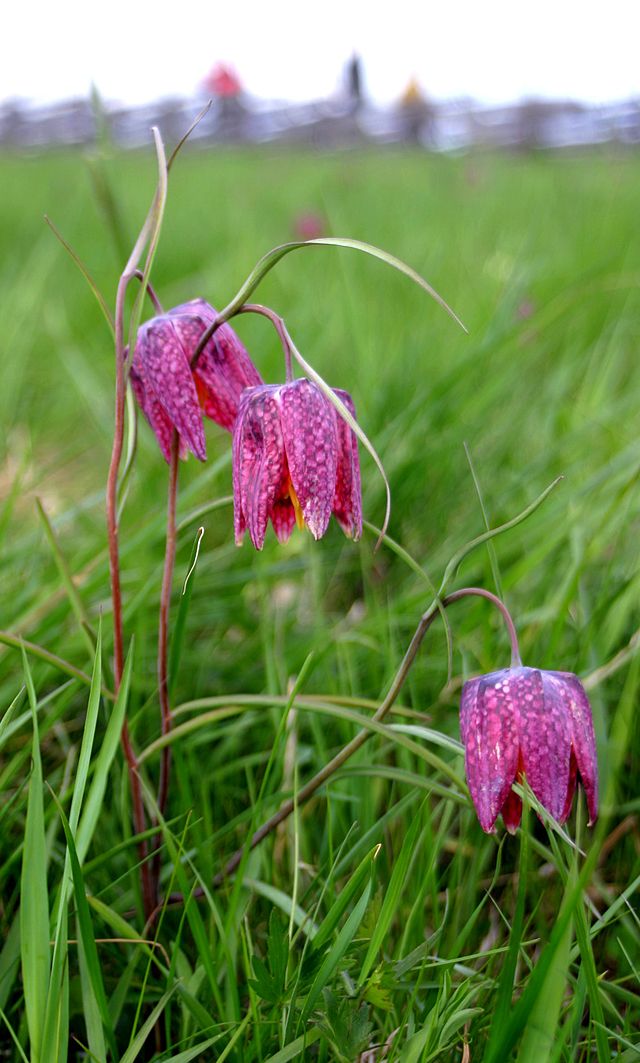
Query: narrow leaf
pixel 268 261
pixel 110 744
pixel 138 1043
pixel 102 302
pixel 34 909
pixel 86 937
pixel 391 903
pixel 336 953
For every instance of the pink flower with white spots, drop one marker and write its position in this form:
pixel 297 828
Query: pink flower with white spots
pixel 294 460
pixel 526 722
pixel 173 394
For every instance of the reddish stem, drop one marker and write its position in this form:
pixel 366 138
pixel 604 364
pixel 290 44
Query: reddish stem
pixel 163 625
pixel 139 819
pixel 157 305
pixel 516 661
pixel 279 325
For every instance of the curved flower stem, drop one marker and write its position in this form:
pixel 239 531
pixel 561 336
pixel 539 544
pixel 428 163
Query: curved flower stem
pixel 280 327
pixel 516 661
pixel 251 308
pixel 139 275
pixel 204 339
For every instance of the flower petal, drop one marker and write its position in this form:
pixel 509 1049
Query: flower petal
pixel 259 463
pixel 164 368
pixel 545 736
pixel 512 812
pixel 488 726
pixel 223 370
pixel 571 788
pixel 582 736
pixel 283 518
pixel 311 442
pixel 347 500
pixel 155 415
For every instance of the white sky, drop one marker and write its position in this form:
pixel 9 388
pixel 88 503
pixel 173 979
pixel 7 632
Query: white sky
pixel 493 50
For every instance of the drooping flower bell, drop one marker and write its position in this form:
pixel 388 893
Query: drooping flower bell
pixel 294 460
pixel 174 394
pixel 527 722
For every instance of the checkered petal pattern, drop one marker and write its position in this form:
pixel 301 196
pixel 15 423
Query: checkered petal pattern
pixel 292 455
pixel 524 722
pixel 172 393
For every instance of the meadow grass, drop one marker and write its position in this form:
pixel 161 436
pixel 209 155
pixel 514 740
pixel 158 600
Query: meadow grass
pixel 379 914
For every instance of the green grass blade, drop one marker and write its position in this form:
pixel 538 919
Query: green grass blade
pixel 336 953
pixel 86 936
pixel 508 972
pixel 344 898
pixel 392 895
pixel 6 719
pixel 297 1047
pixel 102 302
pixel 90 1009
pixel 73 595
pixel 49 658
pixel 588 965
pixel 86 749
pixel 55 1031
pixel 139 1041
pixel 179 625
pixel 9 961
pixel 110 744
pixel 34 909
pixel 540 1034
pixel 192 1053
pixel 14 1037
pixel 507 1037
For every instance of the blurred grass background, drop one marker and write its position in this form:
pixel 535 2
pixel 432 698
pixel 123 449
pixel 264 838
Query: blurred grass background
pixel 539 256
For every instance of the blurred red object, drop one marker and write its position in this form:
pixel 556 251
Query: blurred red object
pixel 309 226
pixel 223 82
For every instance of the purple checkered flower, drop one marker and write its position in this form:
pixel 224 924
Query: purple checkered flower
pixel 526 722
pixel 172 394
pixel 295 460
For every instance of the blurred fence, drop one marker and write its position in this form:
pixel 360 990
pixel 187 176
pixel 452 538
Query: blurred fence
pixel 325 124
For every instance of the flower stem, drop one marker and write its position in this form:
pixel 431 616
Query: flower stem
pixel 163 625
pixel 279 325
pixel 455 596
pixel 163 646
pixel 157 305
pixel 114 570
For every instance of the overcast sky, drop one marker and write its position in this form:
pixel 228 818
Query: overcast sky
pixel 493 50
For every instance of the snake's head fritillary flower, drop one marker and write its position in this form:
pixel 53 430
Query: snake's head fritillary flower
pixel 526 722
pixel 174 394
pixel 295 460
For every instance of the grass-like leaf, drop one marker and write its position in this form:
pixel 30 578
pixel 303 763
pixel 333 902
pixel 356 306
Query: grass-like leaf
pixel 390 904
pixel 87 944
pixel 268 261
pixel 55 1032
pixel 139 1041
pixel 336 953
pixel 34 909
pixel 110 743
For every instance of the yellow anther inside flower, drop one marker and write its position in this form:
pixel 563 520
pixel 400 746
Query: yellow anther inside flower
pixel 296 505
